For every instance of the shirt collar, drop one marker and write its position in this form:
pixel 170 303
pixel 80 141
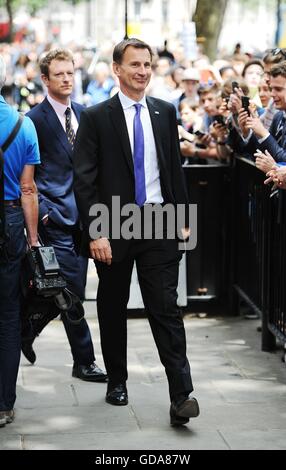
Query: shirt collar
pixel 127 102
pixel 58 107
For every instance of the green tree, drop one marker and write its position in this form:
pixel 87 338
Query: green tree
pixel 208 16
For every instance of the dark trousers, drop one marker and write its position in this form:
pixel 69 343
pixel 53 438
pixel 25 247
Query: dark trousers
pixel 73 268
pixel 157 263
pixel 10 328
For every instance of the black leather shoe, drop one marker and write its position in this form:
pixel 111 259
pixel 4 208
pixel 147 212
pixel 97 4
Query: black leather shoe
pixel 182 410
pixel 28 351
pixel 90 373
pixel 117 395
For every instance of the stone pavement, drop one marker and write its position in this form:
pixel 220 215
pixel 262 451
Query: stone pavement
pixel 241 391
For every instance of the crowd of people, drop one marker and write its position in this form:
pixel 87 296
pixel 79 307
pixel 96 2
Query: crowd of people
pixel 96 128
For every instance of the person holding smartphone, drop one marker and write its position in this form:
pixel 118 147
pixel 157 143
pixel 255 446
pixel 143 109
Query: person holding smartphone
pixel 255 134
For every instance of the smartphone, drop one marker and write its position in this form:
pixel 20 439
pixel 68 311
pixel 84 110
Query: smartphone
pixel 234 85
pixel 219 119
pixel 245 104
pixel 199 134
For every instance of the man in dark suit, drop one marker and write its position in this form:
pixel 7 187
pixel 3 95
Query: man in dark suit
pixel 56 121
pixel 127 148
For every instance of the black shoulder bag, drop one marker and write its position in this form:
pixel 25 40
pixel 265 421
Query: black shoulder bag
pixel 3 149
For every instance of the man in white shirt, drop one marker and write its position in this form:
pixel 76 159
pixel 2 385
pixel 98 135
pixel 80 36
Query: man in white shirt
pixel 56 120
pixel 127 148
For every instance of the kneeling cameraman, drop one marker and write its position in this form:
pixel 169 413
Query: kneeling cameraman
pixel 18 208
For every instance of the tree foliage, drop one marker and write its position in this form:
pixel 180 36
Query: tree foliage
pixel 209 15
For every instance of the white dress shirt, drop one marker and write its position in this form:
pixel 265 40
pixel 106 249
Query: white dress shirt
pixel 152 174
pixel 60 110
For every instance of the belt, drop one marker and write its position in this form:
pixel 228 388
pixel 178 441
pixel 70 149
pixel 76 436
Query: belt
pixel 13 202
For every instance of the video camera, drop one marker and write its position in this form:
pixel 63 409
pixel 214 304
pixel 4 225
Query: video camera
pixel 44 292
pixel 43 271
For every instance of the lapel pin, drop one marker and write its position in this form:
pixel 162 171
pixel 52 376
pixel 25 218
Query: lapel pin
pixel 157 112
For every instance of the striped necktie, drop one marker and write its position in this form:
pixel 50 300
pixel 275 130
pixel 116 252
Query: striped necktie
pixel 69 129
pixel 280 131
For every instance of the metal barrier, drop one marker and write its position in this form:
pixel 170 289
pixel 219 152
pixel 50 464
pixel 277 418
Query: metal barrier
pixel 259 250
pixel 241 249
pixel 209 187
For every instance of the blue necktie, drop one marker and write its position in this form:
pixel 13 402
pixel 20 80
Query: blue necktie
pixel 140 188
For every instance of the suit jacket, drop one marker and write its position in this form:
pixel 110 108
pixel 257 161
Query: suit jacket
pixel 278 151
pixel 103 163
pixel 54 177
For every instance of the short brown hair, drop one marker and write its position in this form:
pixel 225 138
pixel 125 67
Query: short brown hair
pixel 190 102
pixel 278 69
pixel 274 56
pixel 54 54
pixel 121 47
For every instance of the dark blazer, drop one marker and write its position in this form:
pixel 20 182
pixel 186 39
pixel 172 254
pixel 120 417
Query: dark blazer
pixel 277 151
pixel 54 177
pixel 103 163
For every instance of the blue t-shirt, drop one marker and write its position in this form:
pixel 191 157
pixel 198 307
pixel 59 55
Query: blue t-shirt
pixel 24 149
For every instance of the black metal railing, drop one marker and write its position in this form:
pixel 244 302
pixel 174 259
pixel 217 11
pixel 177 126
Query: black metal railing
pixel 241 248
pixel 209 188
pixel 260 250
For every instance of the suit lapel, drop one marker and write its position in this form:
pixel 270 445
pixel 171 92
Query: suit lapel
pixel 56 127
pixel 76 110
pixel 119 123
pixel 157 131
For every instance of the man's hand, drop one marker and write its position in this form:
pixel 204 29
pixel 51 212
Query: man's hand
pixel 186 232
pixel 101 250
pixel 205 139
pixel 242 122
pixel 277 175
pixel 187 148
pixel 264 161
pixel 219 131
pixel 254 123
pixel 183 134
pixel 234 103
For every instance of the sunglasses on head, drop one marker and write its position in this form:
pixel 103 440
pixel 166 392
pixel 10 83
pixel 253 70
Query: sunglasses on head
pixel 277 51
pixel 207 84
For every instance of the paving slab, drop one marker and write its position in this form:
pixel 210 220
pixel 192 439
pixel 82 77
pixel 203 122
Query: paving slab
pixel 241 391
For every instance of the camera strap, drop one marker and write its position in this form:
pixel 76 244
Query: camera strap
pixel 3 149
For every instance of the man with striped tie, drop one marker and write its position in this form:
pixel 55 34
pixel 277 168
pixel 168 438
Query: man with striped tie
pixel 56 120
